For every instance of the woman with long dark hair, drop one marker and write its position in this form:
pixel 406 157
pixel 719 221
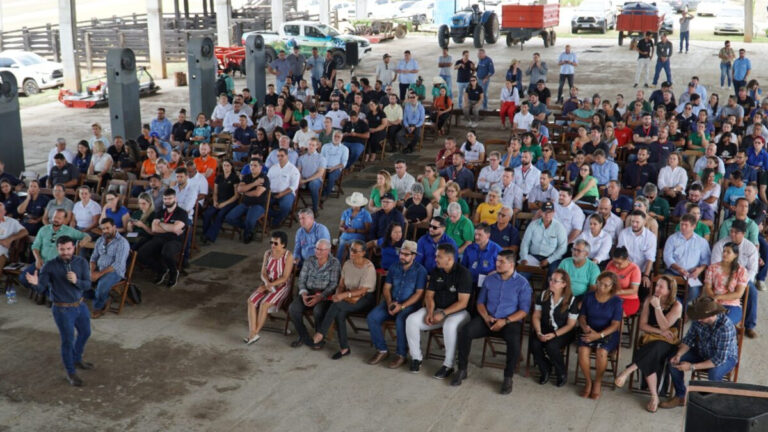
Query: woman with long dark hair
pixel 726 281
pixel 224 200
pixel 390 244
pixel 585 187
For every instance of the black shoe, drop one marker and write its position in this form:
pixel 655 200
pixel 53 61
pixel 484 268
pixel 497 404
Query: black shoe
pixel 544 378
pixel 162 278
pixel 297 343
pixel 645 85
pixel 443 373
pixel 339 354
pixel 461 375
pixel 74 380
pixel 506 386
pixel 415 366
pixel 561 380
pixel 206 241
pixel 247 237
pixel 84 365
pixel 317 346
pixel 173 277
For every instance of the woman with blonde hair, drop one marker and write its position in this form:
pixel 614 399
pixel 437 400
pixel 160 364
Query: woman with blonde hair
pixel 488 211
pixel 101 162
pixel 383 186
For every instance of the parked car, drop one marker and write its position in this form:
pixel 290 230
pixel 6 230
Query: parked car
pixel 710 7
pixel 730 20
pixel 680 5
pixel 599 15
pixel 417 11
pixel 382 9
pixel 32 72
pixel 668 26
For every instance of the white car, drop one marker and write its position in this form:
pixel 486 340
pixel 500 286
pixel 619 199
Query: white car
pixel 33 73
pixel 730 20
pixel 418 11
pixel 381 9
pixel 710 7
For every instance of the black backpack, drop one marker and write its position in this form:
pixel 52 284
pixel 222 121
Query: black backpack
pixel 221 85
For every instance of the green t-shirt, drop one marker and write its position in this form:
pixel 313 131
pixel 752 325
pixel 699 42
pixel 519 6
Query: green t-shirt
pixel 660 206
pixel 535 150
pixel 593 191
pixel 45 241
pixel 582 277
pixel 695 139
pixel 461 231
pixel 420 90
pixel 444 206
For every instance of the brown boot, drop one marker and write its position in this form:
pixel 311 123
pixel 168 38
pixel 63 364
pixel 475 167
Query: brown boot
pixel 378 357
pixel 397 362
pixel 673 402
pixel 750 333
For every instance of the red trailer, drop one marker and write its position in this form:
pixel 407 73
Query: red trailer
pixel 522 22
pixel 230 56
pixel 636 19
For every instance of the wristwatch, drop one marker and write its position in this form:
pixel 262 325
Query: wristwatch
pixel 602 335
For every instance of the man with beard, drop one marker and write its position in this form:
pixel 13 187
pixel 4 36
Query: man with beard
pixel 108 261
pixel 640 243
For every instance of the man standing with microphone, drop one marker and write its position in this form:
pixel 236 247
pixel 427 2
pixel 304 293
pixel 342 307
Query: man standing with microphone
pixel 66 277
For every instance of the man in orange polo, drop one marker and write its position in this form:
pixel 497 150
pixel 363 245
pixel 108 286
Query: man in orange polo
pixel 206 164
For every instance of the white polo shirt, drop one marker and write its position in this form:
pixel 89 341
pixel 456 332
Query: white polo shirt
pixel 528 180
pixel 282 178
pixel 8 227
pixel 571 216
pixel 641 248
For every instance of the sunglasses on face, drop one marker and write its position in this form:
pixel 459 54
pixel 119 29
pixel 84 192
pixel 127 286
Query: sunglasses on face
pixel 435 227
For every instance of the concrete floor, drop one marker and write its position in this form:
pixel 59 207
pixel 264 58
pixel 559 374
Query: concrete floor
pixel 177 362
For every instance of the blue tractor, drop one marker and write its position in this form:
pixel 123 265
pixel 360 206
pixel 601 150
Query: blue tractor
pixel 481 26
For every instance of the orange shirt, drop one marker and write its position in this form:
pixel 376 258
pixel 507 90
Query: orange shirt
pixel 627 276
pixel 148 166
pixel 204 164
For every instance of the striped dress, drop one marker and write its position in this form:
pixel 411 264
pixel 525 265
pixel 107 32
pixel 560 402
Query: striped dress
pixel 275 269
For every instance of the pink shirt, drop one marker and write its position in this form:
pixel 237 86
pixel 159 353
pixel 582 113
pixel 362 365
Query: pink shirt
pixel 717 277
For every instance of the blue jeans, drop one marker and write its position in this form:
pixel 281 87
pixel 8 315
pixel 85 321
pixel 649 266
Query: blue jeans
pixel 103 286
pixel 448 84
pixel 684 37
pixel 715 374
pixel 213 218
pixel 251 213
pixel 733 313
pixel 279 84
pixel 750 321
pixel 315 84
pixel 667 71
pixel 239 156
pixel 725 71
pixel 355 150
pixel 763 249
pixel 69 319
pixel 330 181
pixel 286 204
pixel 485 85
pixel 314 190
pixel 462 88
pixel 376 318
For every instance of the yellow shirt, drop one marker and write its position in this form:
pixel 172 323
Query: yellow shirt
pixel 393 112
pixel 488 213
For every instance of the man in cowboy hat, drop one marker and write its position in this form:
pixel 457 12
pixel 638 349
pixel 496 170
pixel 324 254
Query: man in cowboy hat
pixel 709 344
pixel 355 224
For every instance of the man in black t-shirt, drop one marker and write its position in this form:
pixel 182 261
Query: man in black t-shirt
pixel 465 69
pixel 254 189
pixel 644 55
pixel 473 96
pixel 181 131
pixel 445 305
pixel 324 90
pixel 161 253
pixel 355 135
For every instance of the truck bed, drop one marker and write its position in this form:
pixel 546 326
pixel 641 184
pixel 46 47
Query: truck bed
pixel 530 16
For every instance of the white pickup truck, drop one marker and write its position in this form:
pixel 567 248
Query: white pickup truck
pixel 308 35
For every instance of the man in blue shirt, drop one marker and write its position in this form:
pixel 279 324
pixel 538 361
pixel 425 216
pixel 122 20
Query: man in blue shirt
pixel 480 256
pixel 316 65
pixel 336 157
pixel 384 217
pixel 604 170
pixel 742 66
pixel 407 70
pixel 568 63
pixel 503 233
pixel 413 120
pixel 502 305
pixel 108 262
pixel 307 236
pixel 280 68
pixel 459 173
pixel 427 245
pixel 66 277
pixel 161 125
pixel 484 72
pixel 402 293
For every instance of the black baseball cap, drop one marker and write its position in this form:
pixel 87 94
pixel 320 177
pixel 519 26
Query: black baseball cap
pixel 548 207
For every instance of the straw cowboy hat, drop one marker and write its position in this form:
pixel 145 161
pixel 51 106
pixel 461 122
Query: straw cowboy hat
pixel 704 307
pixel 356 200
pixel 437 81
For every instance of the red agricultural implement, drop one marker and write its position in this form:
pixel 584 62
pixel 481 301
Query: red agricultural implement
pixel 523 22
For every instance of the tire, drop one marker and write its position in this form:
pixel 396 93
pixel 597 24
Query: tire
pixel 545 38
pixel 401 31
pixel 621 38
pixel 604 28
pixel 269 55
pixel 479 36
pixel 443 36
pixel 510 40
pixel 552 38
pixel 492 29
pixel 458 40
pixel 30 87
pixel 339 59
pixel 574 30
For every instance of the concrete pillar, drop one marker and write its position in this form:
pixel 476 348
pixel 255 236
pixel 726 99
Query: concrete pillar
pixel 361 9
pixel 278 17
pixel 156 39
pixel 67 36
pixel 223 16
pixel 749 18
pixel 325 12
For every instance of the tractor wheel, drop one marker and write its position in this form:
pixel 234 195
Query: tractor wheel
pixel 479 36
pixel 492 29
pixel 443 36
pixel 339 59
pixel 621 38
pixel 401 31
pixel 458 39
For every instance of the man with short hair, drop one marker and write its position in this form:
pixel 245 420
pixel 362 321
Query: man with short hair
pixel 356 133
pixel 621 205
pixel 232 118
pixel 490 175
pixel 568 62
pixel 459 227
pixel 742 67
pixel 694 196
pixel 59 202
pixel 687 254
pixel 484 71
pixel 388 214
pixel 663 53
pixel 59 147
pixel 544 241
pixel 445 306
pixel 569 214
pixel 640 243
pixel 428 243
pixel 511 193
pixel 385 72
pixel 639 173
pixel 297 64
pixel 63 173
pixel 741 213
pixel 407 70
pixel 480 256
pixel 503 232
pixel 161 252
pixel 537 71
pixel 336 157
pixel 402 181
pixel 254 190
pixel 612 224
pixel 503 302
pixel 311 166
pixel 309 233
pixel 542 193
pixel 180 133
pixel 527 175
pixel 582 270
pixel 270 121
pixel 459 173
pixel 318 280
pixel 604 170
pixel 401 295
pixel 413 121
pixel 108 262
pixel 161 125
pixel 281 69
pixel 284 182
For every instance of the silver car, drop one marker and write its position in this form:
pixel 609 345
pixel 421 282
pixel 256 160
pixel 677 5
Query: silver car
pixel 32 72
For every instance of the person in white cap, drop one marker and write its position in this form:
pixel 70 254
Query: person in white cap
pixel 355 222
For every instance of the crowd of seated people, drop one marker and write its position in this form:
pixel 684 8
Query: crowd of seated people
pixel 638 210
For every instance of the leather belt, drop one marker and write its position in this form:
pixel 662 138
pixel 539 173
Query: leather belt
pixel 75 304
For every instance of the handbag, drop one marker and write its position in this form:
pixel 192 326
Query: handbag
pixel 134 293
pixel 651 337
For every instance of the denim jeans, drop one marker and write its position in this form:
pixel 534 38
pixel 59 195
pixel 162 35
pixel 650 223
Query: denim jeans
pixel 485 84
pixel 377 317
pixel 286 204
pixel 314 190
pixel 667 71
pixel 448 84
pixel 69 319
pixel 213 218
pixel 715 374
pixel 725 73
pixel 761 273
pixel 330 181
pixel 462 88
pixel 561 85
pixel 733 313
pixel 737 84
pixel 279 84
pixel 315 84
pixel 684 37
pixel 750 321
pixel 355 150
pixel 251 213
pixel 103 286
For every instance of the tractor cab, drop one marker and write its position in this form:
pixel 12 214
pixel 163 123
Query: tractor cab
pixel 480 25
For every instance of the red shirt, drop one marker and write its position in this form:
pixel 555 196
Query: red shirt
pixel 623 136
pixel 204 165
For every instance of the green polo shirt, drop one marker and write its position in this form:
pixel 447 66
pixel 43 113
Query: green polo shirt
pixel 45 241
pixel 582 277
pixel 660 206
pixel 461 231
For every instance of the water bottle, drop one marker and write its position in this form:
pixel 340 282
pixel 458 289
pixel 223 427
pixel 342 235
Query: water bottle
pixel 10 295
